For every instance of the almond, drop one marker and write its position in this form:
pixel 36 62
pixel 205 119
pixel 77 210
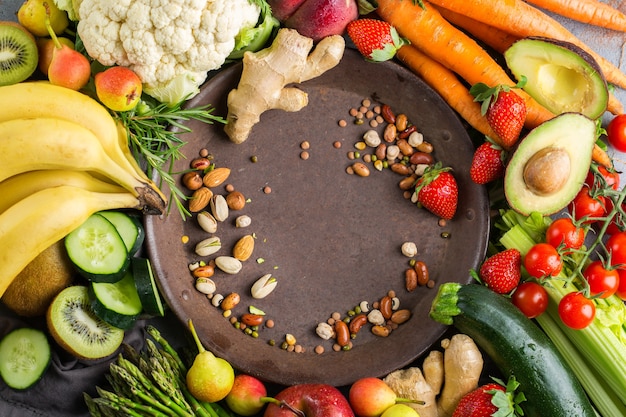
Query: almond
pixel 216 177
pixel 200 199
pixel 243 248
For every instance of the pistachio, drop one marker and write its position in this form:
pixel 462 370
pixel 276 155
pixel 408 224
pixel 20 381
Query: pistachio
pixel 228 264
pixel 409 249
pixel 230 301
pixel 216 177
pixel 200 199
pixel 208 246
pixel 235 200
pixel 243 248
pixel 219 207
pixel 263 286
pixel 243 221
pixel 205 285
pixel 207 222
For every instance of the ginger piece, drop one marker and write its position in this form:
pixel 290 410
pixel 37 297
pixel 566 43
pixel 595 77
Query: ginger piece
pixel 432 368
pixel 410 383
pixel 267 72
pixel 463 365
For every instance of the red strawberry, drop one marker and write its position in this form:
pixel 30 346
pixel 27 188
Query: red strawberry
pixel 375 39
pixel 502 272
pixel 438 192
pixel 505 110
pixel 488 163
pixel 478 403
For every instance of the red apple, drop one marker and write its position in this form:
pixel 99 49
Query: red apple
pixel 282 9
pixel 370 397
pixel 312 400
pixel 118 88
pixel 246 396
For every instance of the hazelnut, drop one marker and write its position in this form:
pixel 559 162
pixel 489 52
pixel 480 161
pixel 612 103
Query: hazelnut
pixel 192 180
pixel 235 200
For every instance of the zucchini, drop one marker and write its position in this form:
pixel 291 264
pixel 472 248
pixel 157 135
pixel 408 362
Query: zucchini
pixel 97 250
pixel 116 303
pixel 147 287
pixel 517 347
pixel 129 227
pixel 24 357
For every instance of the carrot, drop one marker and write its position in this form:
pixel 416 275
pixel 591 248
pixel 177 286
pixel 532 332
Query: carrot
pixel 500 41
pixel 600 156
pixel 449 87
pixel 592 12
pixel 436 37
pixel 523 20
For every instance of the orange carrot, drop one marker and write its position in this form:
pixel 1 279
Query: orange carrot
pixel 436 37
pixel 592 12
pixel 600 156
pixel 449 87
pixel 523 20
pixel 500 41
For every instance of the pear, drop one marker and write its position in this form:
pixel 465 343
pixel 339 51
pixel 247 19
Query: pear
pixel 68 68
pixel 210 378
pixel 32 13
pixel 46 47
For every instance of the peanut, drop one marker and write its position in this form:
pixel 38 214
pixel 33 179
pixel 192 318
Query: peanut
pixel 400 168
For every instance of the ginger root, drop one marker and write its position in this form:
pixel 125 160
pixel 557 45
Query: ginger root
pixel 457 370
pixel 267 72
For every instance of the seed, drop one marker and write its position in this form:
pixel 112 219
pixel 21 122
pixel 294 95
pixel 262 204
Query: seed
pixel 290 339
pixel 208 246
pixel 425 147
pixel 243 221
pixel 405 148
pixel 230 301
pixel 219 207
pixel 364 306
pixel 357 323
pixel 207 222
pixel 409 249
pixel 263 286
pixel 400 316
pixel 400 168
pixel 252 319
pixel 395 302
pixel 407 182
pixel 228 264
pixel 421 158
pixel 392 152
pixel 404 134
pixel 360 169
pixel 360 146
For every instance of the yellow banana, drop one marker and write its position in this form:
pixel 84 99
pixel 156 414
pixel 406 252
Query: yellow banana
pixel 46 143
pixel 21 186
pixel 42 99
pixel 43 218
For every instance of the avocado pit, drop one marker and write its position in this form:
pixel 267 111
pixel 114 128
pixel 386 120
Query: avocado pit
pixel 547 171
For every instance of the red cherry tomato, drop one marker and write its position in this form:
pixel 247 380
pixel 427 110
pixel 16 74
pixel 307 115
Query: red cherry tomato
pixel 531 298
pixel 621 288
pixel 601 280
pixel 564 232
pixel 611 178
pixel 616 132
pixel 576 310
pixel 584 205
pixel 542 260
pixel 616 247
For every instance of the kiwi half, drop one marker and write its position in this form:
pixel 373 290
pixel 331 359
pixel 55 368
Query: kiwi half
pixel 18 53
pixel 74 326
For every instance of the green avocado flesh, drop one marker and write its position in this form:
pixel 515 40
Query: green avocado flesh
pixel 550 164
pixel 560 76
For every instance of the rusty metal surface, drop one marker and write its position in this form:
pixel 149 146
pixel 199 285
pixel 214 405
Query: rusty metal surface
pixel 331 239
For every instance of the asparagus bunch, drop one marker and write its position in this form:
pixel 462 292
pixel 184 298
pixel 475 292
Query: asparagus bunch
pixel 150 384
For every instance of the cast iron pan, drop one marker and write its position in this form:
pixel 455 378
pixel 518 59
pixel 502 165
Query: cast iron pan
pixel 331 239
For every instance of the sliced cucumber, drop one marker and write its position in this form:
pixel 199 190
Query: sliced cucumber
pixel 24 357
pixel 97 250
pixel 129 227
pixel 147 287
pixel 116 303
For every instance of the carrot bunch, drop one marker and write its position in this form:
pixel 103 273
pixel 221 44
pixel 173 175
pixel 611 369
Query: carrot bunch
pixel 445 49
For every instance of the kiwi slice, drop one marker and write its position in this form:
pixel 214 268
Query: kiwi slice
pixel 75 327
pixel 18 53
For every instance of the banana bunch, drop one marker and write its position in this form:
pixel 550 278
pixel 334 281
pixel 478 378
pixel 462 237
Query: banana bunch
pixel 62 158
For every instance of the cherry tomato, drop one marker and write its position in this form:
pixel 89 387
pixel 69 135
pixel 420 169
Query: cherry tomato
pixel 621 288
pixel 611 178
pixel 564 231
pixel 584 205
pixel 601 280
pixel 542 260
pixel 531 298
pixel 616 132
pixel 616 247
pixel 576 310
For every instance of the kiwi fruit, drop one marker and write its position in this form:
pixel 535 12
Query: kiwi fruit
pixel 32 291
pixel 75 327
pixel 18 53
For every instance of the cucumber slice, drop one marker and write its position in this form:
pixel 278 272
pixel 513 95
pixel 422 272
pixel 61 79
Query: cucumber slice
pixel 97 250
pixel 116 303
pixel 147 287
pixel 24 357
pixel 129 227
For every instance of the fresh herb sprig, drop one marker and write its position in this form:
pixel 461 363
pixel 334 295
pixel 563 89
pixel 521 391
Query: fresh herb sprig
pixel 153 136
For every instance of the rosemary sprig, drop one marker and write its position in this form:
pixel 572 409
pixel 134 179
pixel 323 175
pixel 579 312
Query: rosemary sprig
pixel 156 144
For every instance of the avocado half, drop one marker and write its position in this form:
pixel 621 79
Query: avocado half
pixel 550 164
pixel 561 76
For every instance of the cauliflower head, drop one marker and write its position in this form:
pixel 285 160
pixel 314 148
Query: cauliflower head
pixel 165 41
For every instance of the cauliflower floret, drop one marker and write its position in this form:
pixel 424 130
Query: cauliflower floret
pixel 164 40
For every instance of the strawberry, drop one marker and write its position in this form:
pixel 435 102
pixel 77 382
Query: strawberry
pixel 487 163
pixel 438 192
pixel 502 272
pixel 491 399
pixel 375 39
pixel 505 110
